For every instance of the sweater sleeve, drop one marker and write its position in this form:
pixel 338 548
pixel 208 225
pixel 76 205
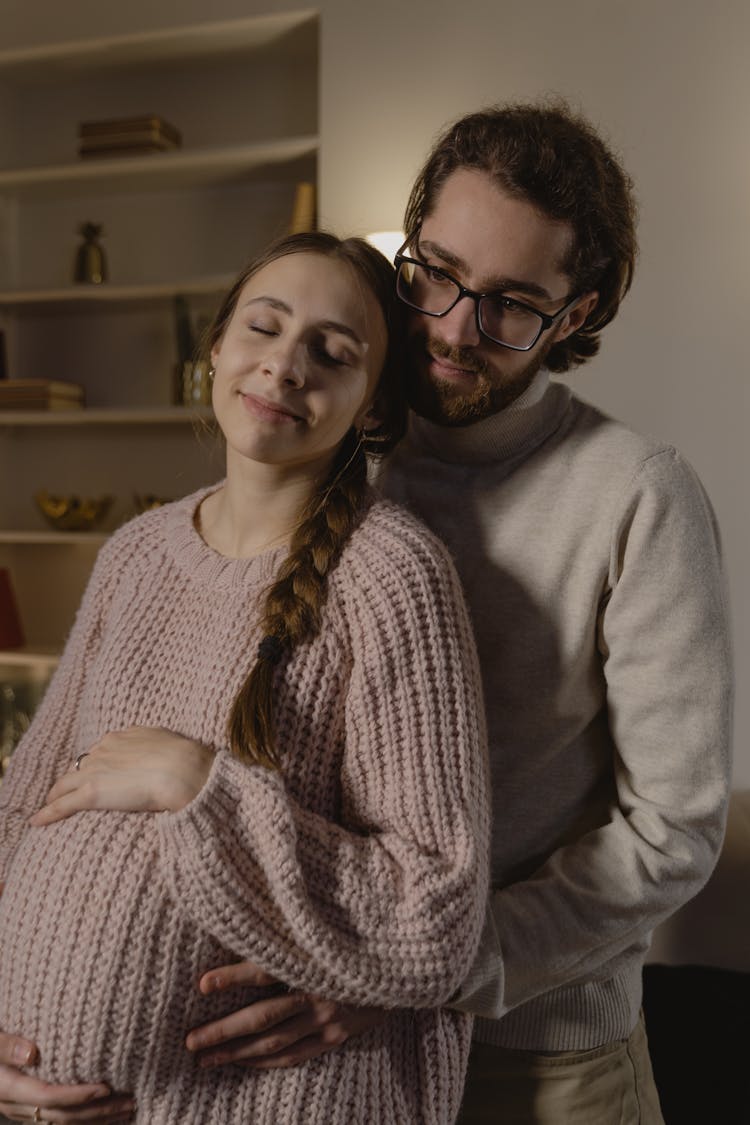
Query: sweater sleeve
pixel 663 641
pixel 47 748
pixel 386 907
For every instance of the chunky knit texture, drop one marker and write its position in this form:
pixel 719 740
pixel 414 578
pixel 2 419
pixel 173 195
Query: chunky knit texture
pixel 590 559
pixel 359 872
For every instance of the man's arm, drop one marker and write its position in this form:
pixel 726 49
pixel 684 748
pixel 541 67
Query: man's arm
pixel 663 639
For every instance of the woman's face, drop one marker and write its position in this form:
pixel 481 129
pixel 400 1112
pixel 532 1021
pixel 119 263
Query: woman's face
pixel 298 362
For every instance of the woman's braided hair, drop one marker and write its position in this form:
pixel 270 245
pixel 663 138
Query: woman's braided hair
pixel 294 602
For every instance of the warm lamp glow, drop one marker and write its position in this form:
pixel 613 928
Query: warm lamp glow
pixel 387 241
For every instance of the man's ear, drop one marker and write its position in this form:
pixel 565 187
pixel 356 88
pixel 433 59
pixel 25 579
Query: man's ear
pixel 573 320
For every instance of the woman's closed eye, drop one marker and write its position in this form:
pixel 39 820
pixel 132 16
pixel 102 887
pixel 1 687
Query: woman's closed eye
pixel 330 358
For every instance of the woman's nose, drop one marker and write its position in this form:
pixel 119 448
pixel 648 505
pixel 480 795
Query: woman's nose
pixel 285 362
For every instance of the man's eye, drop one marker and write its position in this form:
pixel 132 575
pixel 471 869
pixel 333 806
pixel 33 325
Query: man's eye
pixel 508 305
pixel 436 276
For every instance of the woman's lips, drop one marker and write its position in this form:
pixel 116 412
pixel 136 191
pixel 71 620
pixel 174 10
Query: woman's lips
pixel 268 411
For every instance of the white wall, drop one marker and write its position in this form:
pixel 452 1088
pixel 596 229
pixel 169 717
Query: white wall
pixel 667 80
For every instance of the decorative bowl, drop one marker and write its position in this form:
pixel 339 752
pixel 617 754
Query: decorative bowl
pixel 145 501
pixel 72 513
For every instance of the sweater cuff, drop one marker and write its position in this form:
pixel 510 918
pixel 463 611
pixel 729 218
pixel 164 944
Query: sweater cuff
pixel 482 992
pixel 196 828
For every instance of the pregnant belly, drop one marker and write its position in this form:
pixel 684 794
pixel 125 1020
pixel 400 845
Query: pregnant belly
pixel 98 966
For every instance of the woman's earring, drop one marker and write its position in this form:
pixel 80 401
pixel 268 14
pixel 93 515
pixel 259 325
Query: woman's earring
pixel 370 437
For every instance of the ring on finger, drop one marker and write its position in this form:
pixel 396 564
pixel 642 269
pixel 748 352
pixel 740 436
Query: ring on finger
pixel 77 766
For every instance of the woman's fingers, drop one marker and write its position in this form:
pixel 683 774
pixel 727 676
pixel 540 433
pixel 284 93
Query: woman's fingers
pixel 16 1051
pixel 76 800
pixel 110 1109
pixel 19 1088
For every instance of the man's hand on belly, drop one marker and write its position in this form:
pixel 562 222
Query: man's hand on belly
pixel 280 1031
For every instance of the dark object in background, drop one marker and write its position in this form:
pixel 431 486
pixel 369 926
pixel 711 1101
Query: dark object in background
pixel 698 1025
pixel 91 265
pixel 3 358
pixel 11 633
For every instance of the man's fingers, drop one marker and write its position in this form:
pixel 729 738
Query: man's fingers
pixel 253 1020
pixel 301 1051
pixel 243 974
pixel 15 1051
pixel 292 1038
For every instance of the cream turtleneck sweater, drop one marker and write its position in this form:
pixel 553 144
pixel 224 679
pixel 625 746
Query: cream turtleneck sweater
pixel 590 559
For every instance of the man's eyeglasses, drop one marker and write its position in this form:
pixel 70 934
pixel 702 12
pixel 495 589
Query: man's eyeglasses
pixel 500 318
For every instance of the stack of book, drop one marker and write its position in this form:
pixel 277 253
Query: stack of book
pixel 40 394
pixel 127 136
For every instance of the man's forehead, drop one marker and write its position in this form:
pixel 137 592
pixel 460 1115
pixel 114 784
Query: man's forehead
pixel 480 231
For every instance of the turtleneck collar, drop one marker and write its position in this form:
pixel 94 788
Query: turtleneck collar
pixel 517 429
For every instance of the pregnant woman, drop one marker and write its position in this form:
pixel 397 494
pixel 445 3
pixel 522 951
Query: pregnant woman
pixel 264 741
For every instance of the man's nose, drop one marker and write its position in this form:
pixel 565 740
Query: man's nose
pixel 458 328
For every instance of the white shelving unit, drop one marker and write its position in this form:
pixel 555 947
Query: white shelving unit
pixel 243 93
pixel 157 171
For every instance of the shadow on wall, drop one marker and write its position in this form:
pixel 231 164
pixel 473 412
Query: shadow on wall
pixel 696 992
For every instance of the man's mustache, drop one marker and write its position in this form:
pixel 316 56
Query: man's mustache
pixel 464 358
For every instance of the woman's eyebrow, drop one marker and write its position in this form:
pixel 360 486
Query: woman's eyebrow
pixel 274 302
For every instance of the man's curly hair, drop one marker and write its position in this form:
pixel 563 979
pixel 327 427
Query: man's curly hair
pixel 554 159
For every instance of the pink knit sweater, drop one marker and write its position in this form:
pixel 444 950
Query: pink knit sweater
pixel 359 872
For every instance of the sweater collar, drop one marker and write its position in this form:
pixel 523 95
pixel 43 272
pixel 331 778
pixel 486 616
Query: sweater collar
pixel 518 429
pixel 203 563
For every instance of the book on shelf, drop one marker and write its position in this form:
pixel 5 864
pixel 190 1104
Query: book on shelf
pixel 128 135
pixel 128 149
pixel 40 394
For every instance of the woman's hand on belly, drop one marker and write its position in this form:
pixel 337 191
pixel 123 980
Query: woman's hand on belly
pixel 21 1095
pixel 141 769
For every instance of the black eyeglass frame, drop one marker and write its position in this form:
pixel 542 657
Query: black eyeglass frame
pixel 547 320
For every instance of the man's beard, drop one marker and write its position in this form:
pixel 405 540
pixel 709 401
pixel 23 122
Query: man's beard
pixel 442 402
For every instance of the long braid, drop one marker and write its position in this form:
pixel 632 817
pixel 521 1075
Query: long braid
pixel 294 603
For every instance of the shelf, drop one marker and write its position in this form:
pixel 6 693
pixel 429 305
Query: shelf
pixel 89 57
pixel 120 175
pixel 45 538
pixel 42 658
pixel 104 295
pixel 101 416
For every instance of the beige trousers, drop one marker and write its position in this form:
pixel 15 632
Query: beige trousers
pixel 610 1085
